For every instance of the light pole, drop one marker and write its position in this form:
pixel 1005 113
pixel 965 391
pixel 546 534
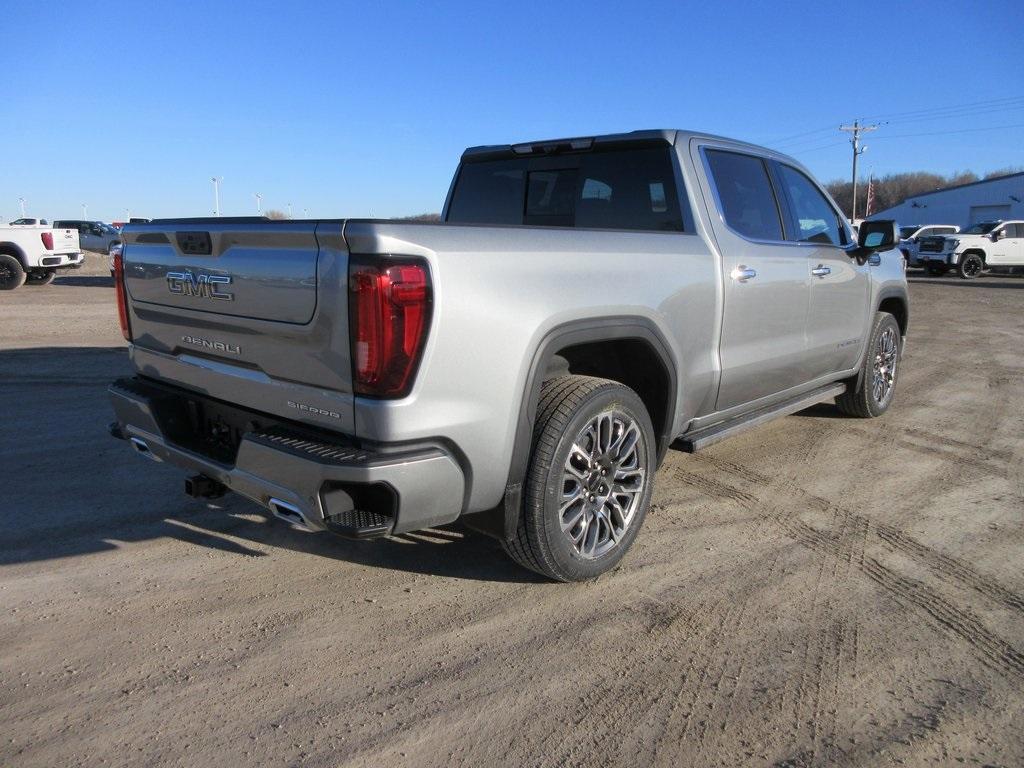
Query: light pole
pixel 856 130
pixel 21 202
pixel 85 211
pixel 259 203
pixel 289 210
pixel 305 213
pixel 216 194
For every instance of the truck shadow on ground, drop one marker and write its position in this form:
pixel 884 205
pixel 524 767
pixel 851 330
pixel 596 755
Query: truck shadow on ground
pixel 70 489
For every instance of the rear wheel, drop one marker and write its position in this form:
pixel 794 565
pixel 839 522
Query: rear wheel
pixel 589 482
pixel 12 274
pixel 873 395
pixel 971 265
pixel 40 276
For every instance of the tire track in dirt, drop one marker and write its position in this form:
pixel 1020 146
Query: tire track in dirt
pixel 992 649
pixel 946 567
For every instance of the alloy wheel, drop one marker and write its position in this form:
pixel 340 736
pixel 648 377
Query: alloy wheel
pixel 884 369
pixel 602 483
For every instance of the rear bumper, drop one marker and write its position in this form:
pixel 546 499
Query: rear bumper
pixel 61 260
pixel 326 479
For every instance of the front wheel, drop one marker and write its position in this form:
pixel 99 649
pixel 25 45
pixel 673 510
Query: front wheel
pixel 589 482
pixel 970 266
pixel 40 276
pixel 870 393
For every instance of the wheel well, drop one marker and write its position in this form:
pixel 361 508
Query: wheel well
pixel 898 309
pixel 628 361
pixel 13 250
pixel 976 252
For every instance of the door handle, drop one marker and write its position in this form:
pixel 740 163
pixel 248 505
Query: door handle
pixel 821 270
pixel 742 273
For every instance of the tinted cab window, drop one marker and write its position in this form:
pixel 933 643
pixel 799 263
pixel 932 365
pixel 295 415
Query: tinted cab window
pixel 631 189
pixel 745 192
pixel 814 220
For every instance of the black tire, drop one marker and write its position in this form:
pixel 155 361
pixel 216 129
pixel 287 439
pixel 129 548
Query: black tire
pixel 861 400
pixel 12 274
pixel 568 405
pixel 936 271
pixel 40 276
pixel 970 266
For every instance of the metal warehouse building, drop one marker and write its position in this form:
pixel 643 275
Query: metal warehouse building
pixel 999 198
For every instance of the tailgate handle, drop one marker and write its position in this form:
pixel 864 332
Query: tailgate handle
pixel 195 243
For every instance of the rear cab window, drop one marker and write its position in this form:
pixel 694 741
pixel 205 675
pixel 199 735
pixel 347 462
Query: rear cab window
pixel 745 195
pixel 630 189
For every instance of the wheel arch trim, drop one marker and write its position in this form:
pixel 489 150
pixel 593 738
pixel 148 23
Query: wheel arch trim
pixel 501 521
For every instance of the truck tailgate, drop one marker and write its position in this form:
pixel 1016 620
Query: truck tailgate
pixel 66 241
pixel 250 311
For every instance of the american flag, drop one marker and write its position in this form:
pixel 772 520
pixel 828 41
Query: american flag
pixel 871 196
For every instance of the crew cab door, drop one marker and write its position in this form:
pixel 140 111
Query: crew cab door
pixel 840 287
pixel 1009 248
pixel 766 280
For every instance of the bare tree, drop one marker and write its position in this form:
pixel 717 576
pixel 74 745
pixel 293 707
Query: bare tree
pixel 273 213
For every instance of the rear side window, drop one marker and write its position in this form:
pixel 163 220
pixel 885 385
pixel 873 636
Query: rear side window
pixel 745 192
pixel 814 220
pixel 626 189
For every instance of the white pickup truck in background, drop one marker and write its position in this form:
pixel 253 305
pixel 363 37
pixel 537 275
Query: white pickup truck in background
pixel 33 253
pixel 910 239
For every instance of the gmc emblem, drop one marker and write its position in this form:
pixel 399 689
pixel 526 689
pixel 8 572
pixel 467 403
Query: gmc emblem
pixel 202 285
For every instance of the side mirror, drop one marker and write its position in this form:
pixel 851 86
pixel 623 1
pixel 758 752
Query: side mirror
pixel 999 234
pixel 874 236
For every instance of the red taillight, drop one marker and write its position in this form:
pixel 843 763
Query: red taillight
pixel 122 297
pixel 389 312
pixel 47 240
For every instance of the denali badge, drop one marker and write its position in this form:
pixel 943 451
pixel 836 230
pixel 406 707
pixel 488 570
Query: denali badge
pixel 202 285
pixel 313 409
pixel 219 346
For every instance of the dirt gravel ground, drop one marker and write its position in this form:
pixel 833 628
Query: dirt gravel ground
pixel 822 591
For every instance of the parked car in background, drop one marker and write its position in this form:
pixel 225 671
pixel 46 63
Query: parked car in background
pixel 526 363
pixel 990 245
pixel 28 222
pixel 910 238
pixel 93 235
pixel 33 254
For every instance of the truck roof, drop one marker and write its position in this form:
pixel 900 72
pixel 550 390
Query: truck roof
pixel 653 137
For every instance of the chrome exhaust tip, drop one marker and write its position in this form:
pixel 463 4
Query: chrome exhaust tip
pixel 290 514
pixel 143 450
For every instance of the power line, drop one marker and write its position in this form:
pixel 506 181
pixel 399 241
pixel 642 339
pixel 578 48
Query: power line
pixel 934 110
pixel 944 133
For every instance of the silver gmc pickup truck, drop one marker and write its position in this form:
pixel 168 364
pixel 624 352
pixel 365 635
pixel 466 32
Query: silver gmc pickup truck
pixel 524 365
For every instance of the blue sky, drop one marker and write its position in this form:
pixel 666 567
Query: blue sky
pixel 362 109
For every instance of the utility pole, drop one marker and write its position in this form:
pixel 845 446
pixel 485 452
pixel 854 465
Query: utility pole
pixel 856 130
pixel 21 202
pixel 216 194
